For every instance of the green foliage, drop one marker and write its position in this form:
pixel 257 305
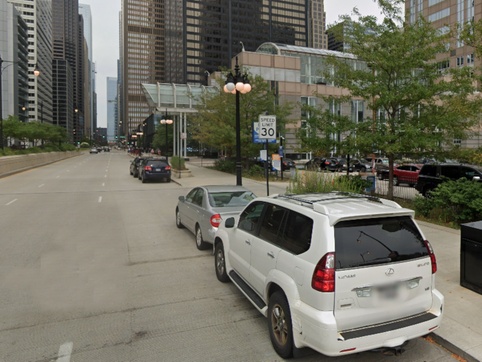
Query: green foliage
pixel 308 182
pixel 225 165
pixel 454 202
pixel 84 145
pixel 215 123
pixel 395 72
pixel 177 162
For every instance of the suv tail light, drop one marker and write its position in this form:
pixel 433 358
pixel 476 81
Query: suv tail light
pixel 324 275
pixel 433 259
pixel 215 220
pixel 147 168
pixel 167 168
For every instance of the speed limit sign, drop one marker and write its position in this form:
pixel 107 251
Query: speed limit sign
pixel 267 127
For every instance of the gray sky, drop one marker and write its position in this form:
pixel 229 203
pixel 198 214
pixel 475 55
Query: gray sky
pixel 105 29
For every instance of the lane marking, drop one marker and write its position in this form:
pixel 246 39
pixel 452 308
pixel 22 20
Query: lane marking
pixel 58 176
pixel 65 351
pixel 100 198
pixel 11 202
pixel 103 184
pixel 41 185
pixel 105 176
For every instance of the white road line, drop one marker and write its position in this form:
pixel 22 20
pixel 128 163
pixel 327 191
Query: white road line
pixel 58 176
pixel 100 198
pixel 41 185
pixel 105 176
pixel 11 202
pixel 65 351
pixel 103 184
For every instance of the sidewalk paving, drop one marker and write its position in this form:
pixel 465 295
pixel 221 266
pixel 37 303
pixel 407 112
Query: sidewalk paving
pixel 461 329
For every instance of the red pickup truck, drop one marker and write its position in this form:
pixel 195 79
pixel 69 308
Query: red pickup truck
pixel 403 174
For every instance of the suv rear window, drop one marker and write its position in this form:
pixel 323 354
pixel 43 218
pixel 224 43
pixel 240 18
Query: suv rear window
pixel 156 163
pixel 377 241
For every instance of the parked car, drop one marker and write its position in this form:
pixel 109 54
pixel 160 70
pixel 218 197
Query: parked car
pixel 94 150
pixel 334 164
pixel 359 165
pixel 402 174
pixel 134 166
pixel 432 175
pixel 287 164
pixel 203 208
pixel 154 169
pixel 338 273
pixel 315 164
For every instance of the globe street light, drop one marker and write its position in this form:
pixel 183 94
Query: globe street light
pixel 237 83
pixel 166 120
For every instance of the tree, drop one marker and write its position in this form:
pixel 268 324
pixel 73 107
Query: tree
pixel 396 73
pixel 215 124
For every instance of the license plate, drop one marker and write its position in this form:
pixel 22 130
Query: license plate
pixel 388 292
pixel 158 169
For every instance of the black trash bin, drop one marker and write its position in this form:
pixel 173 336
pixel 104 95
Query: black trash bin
pixel 471 256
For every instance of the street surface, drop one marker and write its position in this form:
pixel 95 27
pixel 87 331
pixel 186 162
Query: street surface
pixel 93 268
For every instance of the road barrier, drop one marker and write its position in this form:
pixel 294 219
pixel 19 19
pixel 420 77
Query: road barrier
pixel 13 164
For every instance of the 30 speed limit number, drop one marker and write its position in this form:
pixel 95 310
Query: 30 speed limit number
pixel 267 127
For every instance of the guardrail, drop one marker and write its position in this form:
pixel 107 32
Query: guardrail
pixel 14 164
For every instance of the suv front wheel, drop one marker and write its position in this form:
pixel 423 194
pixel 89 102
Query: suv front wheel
pixel 280 327
pixel 220 263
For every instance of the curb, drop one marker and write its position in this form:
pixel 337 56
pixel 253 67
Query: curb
pixel 453 348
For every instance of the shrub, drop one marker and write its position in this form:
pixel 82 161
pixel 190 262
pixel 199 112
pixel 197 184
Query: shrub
pixel 228 166
pixel 177 163
pixel 308 182
pixel 455 202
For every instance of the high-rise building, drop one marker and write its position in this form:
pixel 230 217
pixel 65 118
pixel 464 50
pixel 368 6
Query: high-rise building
pixel 68 46
pixel 111 108
pixel 38 15
pixel 174 41
pixel 89 72
pixel 444 15
pixel 14 67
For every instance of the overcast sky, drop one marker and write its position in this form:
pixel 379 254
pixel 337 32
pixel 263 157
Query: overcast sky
pixel 105 28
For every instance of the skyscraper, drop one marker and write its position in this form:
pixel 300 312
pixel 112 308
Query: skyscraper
pixel 173 41
pixel 67 53
pixel 38 15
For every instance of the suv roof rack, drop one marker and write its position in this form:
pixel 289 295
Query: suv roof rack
pixel 334 196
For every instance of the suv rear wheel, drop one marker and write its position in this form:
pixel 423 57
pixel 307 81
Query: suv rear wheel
pixel 279 322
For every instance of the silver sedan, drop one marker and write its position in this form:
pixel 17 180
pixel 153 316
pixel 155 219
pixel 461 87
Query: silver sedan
pixel 203 208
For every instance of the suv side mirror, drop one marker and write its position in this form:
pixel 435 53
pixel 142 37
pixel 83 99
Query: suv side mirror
pixel 181 198
pixel 229 223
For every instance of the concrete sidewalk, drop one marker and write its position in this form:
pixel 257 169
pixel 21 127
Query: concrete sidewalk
pixel 461 329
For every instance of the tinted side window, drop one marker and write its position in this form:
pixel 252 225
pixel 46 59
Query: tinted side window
pixel 296 236
pixel 429 170
pixel 198 197
pixel 468 172
pixel 190 195
pixel 452 172
pixel 270 225
pixel 249 218
pixel 377 241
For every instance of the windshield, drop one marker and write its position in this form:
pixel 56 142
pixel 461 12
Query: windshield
pixel 377 241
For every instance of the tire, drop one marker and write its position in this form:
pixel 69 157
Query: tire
pixel 426 191
pixel 178 220
pixel 280 326
pixel 220 263
pixel 168 179
pixel 395 181
pixel 143 180
pixel 363 169
pixel 200 243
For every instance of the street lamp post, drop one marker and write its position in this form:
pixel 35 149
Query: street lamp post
pixel 237 83
pixel 166 120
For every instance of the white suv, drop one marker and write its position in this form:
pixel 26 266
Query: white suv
pixel 339 273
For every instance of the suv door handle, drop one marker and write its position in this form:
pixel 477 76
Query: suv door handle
pixel 270 254
pixel 247 242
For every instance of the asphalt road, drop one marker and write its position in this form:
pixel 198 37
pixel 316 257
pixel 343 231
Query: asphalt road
pixel 93 268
